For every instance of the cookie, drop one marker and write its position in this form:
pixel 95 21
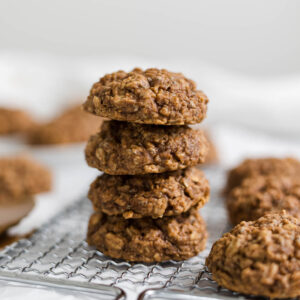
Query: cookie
pixel 21 176
pixel 12 211
pixel 72 126
pixel 259 257
pixel 14 121
pixel 151 195
pixel 262 166
pixel 147 239
pixel 152 96
pixel 123 148
pixel 259 195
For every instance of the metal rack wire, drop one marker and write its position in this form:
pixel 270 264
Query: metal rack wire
pixel 57 256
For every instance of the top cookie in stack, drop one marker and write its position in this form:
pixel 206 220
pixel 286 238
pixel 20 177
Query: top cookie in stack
pixel 153 217
pixel 152 96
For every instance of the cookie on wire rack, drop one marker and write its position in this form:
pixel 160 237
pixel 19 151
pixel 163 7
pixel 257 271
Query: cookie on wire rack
pixel 259 257
pixel 147 239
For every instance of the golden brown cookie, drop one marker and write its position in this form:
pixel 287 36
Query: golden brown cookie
pixel 14 121
pixel 122 148
pixel 72 126
pixel 147 239
pixel 259 195
pixel 262 166
pixel 21 176
pixel 151 195
pixel 152 96
pixel 260 257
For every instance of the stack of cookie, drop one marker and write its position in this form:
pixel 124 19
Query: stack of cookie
pixel 146 204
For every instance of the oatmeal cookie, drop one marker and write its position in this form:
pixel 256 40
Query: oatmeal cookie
pixel 147 239
pixel 14 121
pixel 152 195
pixel 259 257
pixel 152 96
pixel 262 166
pixel 72 126
pixel 21 176
pixel 122 148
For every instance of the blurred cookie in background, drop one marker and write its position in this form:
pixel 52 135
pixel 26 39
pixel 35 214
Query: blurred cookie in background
pixel 212 157
pixel 20 179
pixel 73 126
pixel 22 176
pixel 261 166
pixel 260 186
pixel 14 121
pixel 262 194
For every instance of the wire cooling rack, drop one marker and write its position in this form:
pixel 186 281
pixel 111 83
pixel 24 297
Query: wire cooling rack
pixel 57 256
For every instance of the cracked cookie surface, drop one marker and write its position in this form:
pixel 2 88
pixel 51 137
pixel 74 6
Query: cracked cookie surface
pixel 259 257
pixel 152 195
pixel 147 239
pixel 122 148
pixel 152 96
